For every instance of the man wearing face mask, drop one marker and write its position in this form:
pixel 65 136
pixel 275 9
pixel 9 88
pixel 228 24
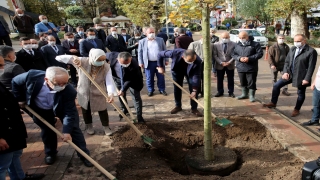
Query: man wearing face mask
pixel 148 50
pixel 277 56
pixel 50 51
pixel 80 33
pixel 90 43
pixel 11 69
pixel 298 69
pixel 224 63
pixel 48 27
pixel 184 63
pixel 28 57
pixel 89 97
pixel 116 42
pixel 127 76
pixel 125 36
pixel 43 40
pixel 49 95
pixel 99 28
pixel 71 47
pixel 24 24
pixel 133 44
pixel 247 53
pixel 34 44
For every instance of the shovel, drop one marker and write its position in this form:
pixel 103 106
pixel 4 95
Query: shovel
pixel 126 105
pixel 219 121
pixel 85 155
pixel 145 138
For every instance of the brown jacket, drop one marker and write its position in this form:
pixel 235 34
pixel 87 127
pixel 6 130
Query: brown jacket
pixel 24 24
pixel 274 55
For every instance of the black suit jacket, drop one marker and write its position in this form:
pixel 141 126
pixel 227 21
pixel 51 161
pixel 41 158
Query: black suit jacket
pixel 115 45
pixel 132 76
pixel 66 47
pixel 12 128
pixel 86 46
pixel 163 36
pixel 127 37
pixel 28 61
pixel 102 36
pixel 77 36
pixel 50 55
pixel 27 86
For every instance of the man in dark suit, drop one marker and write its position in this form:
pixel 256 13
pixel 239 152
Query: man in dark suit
pixel 71 47
pixel 133 44
pixel 99 28
pixel 89 43
pixel 30 58
pixel 13 135
pixel 163 36
pixel 80 33
pixel 184 63
pixel 50 51
pixel 183 41
pixel 43 40
pixel 4 32
pixel 115 42
pixel 49 94
pixel 125 36
pixel 127 75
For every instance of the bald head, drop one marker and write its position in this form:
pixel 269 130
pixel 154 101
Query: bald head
pixel 243 36
pixel 19 11
pixel 225 35
pixel 113 29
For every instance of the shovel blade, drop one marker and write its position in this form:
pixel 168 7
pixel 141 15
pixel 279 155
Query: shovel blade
pixel 223 122
pixel 147 140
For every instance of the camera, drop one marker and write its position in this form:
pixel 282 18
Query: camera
pixel 311 170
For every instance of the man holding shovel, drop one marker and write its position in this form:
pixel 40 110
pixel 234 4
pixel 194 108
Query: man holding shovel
pixel 184 63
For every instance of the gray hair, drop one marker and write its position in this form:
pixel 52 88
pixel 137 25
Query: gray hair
pixel 150 28
pixel 136 31
pixel 280 35
pixel 124 55
pixel 213 30
pixel 181 31
pixel 51 36
pixel 5 50
pixel 54 71
pixel 176 29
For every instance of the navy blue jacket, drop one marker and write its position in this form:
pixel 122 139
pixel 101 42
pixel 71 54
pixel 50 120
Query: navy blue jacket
pixel 116 45
pixel 163 36
pixel 193 71
pixel 86 46
pixel 26 87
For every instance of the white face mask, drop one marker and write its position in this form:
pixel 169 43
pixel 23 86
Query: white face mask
pixel 188 62
pixel 225 40
pixel 297 44
pixel 151 36
pixel 125 65
pixel 123 34
pixel 98 63
pixel 58 88
pixel 1 71
pixel 242 41
pixel 35 46
pixel 114 33
pixel 15 58
pixel 91 37
pixel 280 41
pixel 44 21
pixel 71 39
pixel 27 46
pixel 52 43
pixel 137 37
pixel 20 15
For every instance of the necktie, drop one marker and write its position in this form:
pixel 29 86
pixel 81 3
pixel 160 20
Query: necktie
pixel 121 78
pixel 294 58
pixel 55 49
pixel 225 48
pixel 30 52
pixel 94 43
pixel 116 37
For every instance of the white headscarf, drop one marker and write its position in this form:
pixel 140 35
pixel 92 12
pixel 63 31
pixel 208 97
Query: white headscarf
pixel 94 54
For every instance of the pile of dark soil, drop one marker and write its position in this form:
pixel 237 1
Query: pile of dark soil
pixel 259 155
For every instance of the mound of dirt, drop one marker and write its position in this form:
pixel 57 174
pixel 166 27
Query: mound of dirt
pixel 259 155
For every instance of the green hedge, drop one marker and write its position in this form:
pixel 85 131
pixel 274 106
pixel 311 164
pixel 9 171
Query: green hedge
pixel 271 29
pixel 271 37
pixel 232 21
pixel 316 34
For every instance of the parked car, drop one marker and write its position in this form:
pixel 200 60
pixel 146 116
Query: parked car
pixel 261 29
pixel 258 37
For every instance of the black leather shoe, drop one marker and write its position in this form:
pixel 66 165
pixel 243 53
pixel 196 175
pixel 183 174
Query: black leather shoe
pixel 86 162
pixel 311 123
pixel 232 95
pixel 140 119
pixel 164 93
pixel 50 159
pixel 150 94
pixel 218 95
pixel 34 176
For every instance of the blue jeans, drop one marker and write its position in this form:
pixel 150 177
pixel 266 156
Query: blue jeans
pixel 178 77
pixel 11 162
pixel 281 83
pixel 150 71
pixel 316 105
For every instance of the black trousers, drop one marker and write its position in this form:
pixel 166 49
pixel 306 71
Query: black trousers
pixel 220 77
pixel 87 116
pixel 49 138
pixel 136 98
pixel 248 79
pixel 6 40
pixel 73 74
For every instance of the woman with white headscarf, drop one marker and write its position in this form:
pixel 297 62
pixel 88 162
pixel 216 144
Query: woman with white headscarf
pixel 89 97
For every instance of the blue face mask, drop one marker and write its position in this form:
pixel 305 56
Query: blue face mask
pixel 81 32
pixel 98 63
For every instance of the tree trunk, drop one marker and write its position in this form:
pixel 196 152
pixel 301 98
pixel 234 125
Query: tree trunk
pixel 299 24
pixel 208 147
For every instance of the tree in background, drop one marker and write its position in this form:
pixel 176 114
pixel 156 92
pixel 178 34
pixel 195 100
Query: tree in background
pixel 297 9
pixel 256 9
pixel 75 16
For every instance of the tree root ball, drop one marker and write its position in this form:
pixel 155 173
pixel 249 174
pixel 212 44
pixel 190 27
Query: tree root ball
pixel 224 162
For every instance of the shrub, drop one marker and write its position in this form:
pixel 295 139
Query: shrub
pixel 222 27
pixel 271 29
pixel 314 42
pixel 316 34
pixel 61 34
pixel 232 21
pixel 289 39
pixel 271 37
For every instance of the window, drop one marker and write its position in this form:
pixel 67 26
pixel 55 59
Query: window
pixel 254 33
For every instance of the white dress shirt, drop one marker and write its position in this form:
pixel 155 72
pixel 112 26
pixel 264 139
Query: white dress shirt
pixel 153 50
